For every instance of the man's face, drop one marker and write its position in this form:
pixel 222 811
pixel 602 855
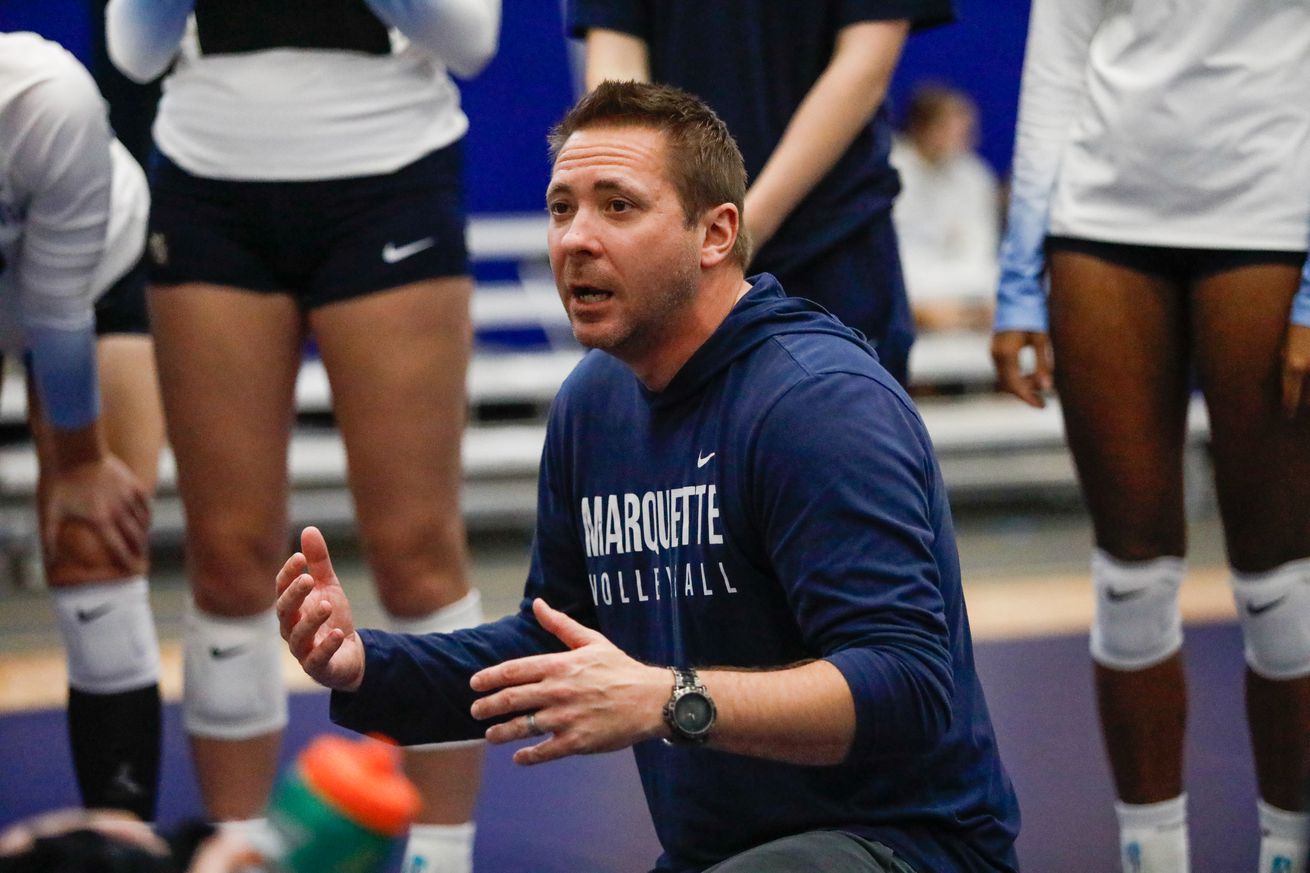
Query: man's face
pixel 625 263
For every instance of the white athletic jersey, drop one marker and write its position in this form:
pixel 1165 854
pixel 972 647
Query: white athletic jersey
pixel 300 114
pixel 1169 122
pixel 73 202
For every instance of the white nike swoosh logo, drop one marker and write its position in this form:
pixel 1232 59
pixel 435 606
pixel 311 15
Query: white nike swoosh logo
pixel 392 253
pixel 702 460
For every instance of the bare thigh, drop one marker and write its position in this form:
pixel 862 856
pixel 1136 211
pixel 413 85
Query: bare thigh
pixel 133 415
pixel 397 361
pixel 1262 460
pixel 227 366
pixel 1121 369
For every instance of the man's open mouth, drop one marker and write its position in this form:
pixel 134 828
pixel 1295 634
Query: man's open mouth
pixel 589 294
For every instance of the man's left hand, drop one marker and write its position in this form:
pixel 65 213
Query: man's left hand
pixel 592 698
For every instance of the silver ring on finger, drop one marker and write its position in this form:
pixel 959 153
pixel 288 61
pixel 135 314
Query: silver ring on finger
pixel 533 730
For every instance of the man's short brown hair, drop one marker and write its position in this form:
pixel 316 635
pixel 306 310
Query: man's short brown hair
pixel 705 165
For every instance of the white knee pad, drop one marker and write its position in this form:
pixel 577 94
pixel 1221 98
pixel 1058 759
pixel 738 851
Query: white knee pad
pixel 232 676
pixel 1274 611
pixel 1137 620
pixel 109 634
pixel 465 612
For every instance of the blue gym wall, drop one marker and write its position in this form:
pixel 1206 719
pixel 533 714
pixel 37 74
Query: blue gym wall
pixel 516 99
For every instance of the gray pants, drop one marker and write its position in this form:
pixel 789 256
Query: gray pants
pixel 828 851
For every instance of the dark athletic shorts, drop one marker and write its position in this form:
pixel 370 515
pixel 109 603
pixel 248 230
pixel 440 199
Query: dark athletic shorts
pixel 1182 265
pixel 122 308
pixel 319 241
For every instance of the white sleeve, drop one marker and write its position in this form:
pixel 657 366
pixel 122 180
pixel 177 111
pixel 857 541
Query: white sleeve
pixel 61 162
pixel 143 35
pixel 463 34
pixel 1054 80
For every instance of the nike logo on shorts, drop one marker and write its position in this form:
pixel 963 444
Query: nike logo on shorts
pixel 392 253
pixel 86 616
pixel 702 460
pixel 219 654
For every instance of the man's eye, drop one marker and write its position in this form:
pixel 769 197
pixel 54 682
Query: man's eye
pixel 557 208
pixel 620 205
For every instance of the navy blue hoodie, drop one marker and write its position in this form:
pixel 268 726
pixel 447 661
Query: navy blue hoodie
pixel 778 501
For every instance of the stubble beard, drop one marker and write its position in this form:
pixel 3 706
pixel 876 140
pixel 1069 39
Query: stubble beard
pixel 649 327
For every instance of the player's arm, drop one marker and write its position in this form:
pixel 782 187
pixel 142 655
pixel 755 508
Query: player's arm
pixel 595 698
pixel 464 34
pixel 1059 38
pixel 613 55
pixel 63 162
pixel 837 107
pixel 142 36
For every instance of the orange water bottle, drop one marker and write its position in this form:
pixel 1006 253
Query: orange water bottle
pixel 340 808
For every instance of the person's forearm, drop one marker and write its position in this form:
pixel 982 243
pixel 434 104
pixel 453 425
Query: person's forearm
pixel 143 35
pixel 615 56
pixel 63 368
pixel 72 448
pixel 1059 38
pixel 434 670
pixel 799 715
pixel 463 34
pixel 832 114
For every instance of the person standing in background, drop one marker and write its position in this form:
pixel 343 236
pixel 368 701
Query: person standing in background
pixel 1162 183
pixel 801 87
pixel 73 207
pixel 309 182
pixel 948 212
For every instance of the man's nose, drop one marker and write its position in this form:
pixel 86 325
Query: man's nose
pixel 581 234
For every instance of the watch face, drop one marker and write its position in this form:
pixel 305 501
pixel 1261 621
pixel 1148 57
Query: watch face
pixel 693 713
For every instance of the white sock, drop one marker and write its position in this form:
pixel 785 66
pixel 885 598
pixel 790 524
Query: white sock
pixel 254 832
pixel 1153 836
pixel 1284 839
pixel 438 848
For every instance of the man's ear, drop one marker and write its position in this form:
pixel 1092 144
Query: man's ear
pixel 720 224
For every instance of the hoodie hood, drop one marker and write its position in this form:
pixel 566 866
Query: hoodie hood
pixel 761 314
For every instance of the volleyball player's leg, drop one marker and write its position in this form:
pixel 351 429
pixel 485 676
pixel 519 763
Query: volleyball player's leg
pixel 1121 368
pixel 397 361
pixel 228 361
pixel 114 713
pixel 1262 474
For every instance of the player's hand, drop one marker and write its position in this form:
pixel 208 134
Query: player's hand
pixel 107 495
pixel 592 698
pixel 1007 345
pixel 313 615
pixel 1296 369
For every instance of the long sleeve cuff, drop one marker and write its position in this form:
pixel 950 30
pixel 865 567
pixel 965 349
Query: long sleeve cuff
pixel 1301 302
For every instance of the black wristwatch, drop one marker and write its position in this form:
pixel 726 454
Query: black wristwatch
pixel 690 711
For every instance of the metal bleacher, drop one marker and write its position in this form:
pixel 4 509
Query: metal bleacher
pixel 992 448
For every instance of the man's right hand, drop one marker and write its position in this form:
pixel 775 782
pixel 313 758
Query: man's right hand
pixel 1010 377
pixel 314 617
